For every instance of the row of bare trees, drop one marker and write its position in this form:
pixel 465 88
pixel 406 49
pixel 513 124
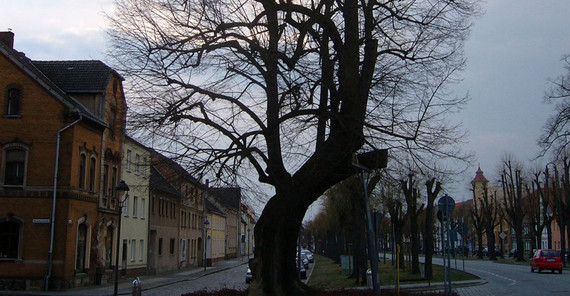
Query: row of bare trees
pixel 400 209
pixel 527 200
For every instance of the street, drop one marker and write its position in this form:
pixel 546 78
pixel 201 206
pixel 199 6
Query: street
pixel 511 279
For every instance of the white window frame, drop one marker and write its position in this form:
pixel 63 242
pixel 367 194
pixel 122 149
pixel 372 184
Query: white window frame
pixel 133 249
pixel 143 207
pixel 141 249
pixel 135 206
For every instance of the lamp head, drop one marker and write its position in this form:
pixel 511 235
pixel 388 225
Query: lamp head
pixel 122 187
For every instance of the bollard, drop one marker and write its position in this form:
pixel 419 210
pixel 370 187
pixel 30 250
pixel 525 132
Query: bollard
pixel 137 287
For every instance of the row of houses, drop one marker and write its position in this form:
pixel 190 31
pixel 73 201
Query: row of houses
pixel 64 152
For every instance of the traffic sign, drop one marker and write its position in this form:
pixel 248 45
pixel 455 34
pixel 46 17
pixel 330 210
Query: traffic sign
pixel 446 204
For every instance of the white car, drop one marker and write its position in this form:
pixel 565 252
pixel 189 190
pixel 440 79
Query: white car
pixel 309 255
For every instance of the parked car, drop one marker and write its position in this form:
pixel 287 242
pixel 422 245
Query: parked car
pixel 302 271
pixel 304 261
pixel 546 259
pixel 309 255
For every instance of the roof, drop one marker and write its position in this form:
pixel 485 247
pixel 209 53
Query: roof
pixel 78 76
pixel 229 197
pixel 25 64
pixel 158 182
pixel 178 171
pixel 479 177
pixel 211 207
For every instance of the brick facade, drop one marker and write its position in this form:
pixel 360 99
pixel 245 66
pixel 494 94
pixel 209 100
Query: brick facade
pixel 84 209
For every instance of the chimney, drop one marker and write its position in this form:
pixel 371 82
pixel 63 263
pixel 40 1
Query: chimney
pixel 7 38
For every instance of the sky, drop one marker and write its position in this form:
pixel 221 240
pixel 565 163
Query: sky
pixel 515 46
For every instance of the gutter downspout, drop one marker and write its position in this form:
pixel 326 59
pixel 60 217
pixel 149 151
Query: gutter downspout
pixel 54 199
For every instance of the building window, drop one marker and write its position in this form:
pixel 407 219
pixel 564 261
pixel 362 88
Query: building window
pixel 92 170
pixel 182 249
pixel 172 242
pixel 144 167
pixel 10 235
pixel 160 246
pixel 105 178
pixel 14 165
pixel 128 164
pixel 13 102
pixel 81 251
pixel 113 182
pixel 82 170
pixel 141 249
pixel 137 164
pixel 143 207
pixel 135 206
pixel 126 206
pixel 133 249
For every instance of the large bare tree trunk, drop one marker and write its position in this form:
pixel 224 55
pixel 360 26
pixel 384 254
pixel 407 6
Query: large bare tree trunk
pixel 273 267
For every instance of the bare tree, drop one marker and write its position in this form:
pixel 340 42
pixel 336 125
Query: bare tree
pixel 556 130
pixel 433 188
pixel 411 195
pixel 291 90
pixel 512 184
pixel 478 222
pixel 538 207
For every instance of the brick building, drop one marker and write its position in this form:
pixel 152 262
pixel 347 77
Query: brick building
pixel 62 126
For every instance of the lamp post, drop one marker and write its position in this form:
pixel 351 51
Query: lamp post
pixel 206 223
pixel 372 250
pixel 121 187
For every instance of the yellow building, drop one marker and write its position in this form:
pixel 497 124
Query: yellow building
pixel 135 219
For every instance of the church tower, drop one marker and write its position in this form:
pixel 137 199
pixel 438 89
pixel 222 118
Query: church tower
pixel 479 183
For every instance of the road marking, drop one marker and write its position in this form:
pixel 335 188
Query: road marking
pixel 513 282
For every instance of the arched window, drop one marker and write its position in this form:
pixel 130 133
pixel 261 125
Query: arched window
pixel 10 236
pixel 81 251
pixel 13 101
pixel 92 170
pixel 82 170
pixel 14 165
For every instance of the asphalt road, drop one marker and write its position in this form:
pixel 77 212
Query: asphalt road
pixel 511 279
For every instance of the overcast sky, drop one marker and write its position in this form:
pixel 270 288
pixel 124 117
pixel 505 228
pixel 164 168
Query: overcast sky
pixel 515 46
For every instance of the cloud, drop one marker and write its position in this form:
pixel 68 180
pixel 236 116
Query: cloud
pixel 60 29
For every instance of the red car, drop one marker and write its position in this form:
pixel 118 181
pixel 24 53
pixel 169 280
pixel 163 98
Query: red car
pixel 546 259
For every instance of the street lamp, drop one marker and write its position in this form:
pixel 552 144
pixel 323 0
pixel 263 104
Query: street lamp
pixel 121 188
pixel 206 223
pixel 372 250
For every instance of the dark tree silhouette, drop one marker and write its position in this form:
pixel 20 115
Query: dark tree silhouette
pixel 478 222
pixel 411 195
pixel 433 188
pixel 512 185
pixel 556 130
pixel 290 91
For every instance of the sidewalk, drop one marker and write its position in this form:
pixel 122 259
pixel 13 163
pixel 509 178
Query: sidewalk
pixel 147 282
pixel 463 288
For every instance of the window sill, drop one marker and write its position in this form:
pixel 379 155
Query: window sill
pixel 12 116
pixel 5 259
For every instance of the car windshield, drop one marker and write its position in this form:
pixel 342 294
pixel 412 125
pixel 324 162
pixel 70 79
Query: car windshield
pixel 550 253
